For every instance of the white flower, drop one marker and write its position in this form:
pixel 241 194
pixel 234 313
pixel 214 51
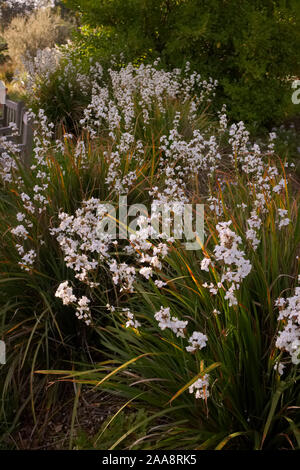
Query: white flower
pixel 146 272
pixel 283 221
pixel 279 367
pixel 20 231
pixel 27 260
pixel 65 292
pixel 205 263
pixel 197 341
pixel 131 321
pixel 163 317
pixel 288 339
pixel 200 387
pixel 160 283
pixel 235 267
pixel 165 320
pixel 82 309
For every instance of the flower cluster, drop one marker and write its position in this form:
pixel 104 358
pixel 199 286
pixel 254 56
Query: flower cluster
pixel 165 320
pixel 41 67
pixel 234 266
pixel 9 152
pixel 200 387
pixel 65 293
pixel 131 321
pixel 91 253
pixel 288 338
pixel 197 341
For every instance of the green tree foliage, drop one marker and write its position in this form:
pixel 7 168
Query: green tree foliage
pixel 250 46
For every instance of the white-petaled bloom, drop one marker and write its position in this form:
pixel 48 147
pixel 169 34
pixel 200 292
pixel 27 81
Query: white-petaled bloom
pixel 65 292
pixel 27 260
pixel 178 327
pixel 20 216
pixel 233 264
pixel 123 275
pixel 280 302
pixel 20 231
pixel 205 264
pixel 201 387
pixel 212 288
pixel 110 308
pixel 279 367
pixel 160 283
pixel 165 320
pixel 237 267
pixel 116 103
pixel 216 312
pixel 146 272
pixel 163 317
pixel 280 186
pixel 283 220
pixel 82 310
pixel 131 321
pixel 254 223
pixel 197 341
pixel 288 339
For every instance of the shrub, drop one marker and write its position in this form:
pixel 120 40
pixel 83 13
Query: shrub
pixel 61 84
pixel 57 84
pixel 248 46
pixel 25 35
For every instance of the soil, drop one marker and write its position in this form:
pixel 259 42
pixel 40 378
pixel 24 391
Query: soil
pixel 52 430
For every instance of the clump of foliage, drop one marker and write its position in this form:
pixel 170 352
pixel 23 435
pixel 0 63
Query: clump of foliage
pixel 25 35
pixel 62 92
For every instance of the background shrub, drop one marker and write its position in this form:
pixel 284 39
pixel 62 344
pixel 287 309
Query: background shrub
pixel 9 9
pixel 251 47
pixel 26 34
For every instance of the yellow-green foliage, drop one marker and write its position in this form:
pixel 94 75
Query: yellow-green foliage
pixel 26 34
